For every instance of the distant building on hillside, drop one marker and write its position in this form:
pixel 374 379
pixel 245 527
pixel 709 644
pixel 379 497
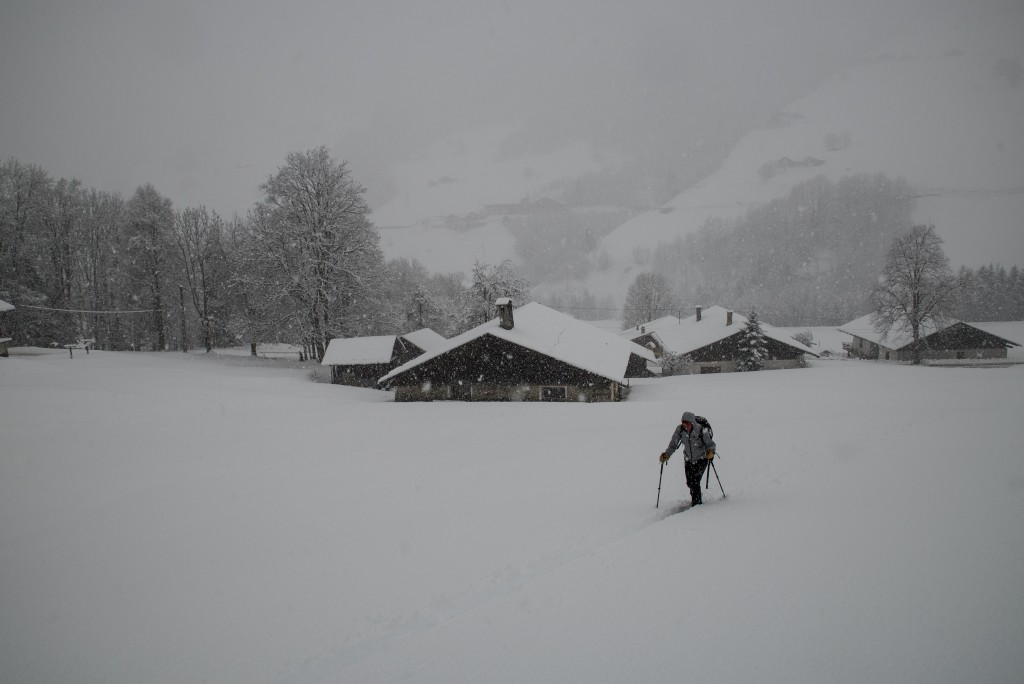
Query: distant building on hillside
pixel 709 340
pixel 545 205
pixel 530 354
pixel 361 361
pixel 954 340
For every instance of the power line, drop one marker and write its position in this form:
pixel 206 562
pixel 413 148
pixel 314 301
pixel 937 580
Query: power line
pixel 89 311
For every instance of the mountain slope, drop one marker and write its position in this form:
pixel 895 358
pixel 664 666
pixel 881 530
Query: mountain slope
pixel 440 214
pixel 942 107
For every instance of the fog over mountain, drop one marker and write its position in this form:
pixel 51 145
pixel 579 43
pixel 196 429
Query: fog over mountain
pixel 204 99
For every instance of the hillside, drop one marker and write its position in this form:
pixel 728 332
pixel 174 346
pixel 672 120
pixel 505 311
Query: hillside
pixel 440 215
pixel 941 106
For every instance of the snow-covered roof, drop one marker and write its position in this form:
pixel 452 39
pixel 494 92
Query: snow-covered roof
pixel 426 339
pixel 898 337
pixel 895 339
pixel 686 335
pixel 5 306
pixel 554 334
pixel 350 351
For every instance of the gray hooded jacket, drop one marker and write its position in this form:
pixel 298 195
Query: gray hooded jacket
pixel 695 443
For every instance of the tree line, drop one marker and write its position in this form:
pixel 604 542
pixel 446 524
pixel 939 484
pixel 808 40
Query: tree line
pixel 303 266
pixel 810 258
pixel 991 293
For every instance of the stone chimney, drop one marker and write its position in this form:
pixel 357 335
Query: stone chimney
pixel 699 309
pixel 728 317
pixel 504 306
pixel 643 329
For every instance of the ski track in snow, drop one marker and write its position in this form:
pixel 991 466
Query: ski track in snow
pixel 443 609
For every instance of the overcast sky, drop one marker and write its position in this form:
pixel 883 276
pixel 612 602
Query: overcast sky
pixel 204 98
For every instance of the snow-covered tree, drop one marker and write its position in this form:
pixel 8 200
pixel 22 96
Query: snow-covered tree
pixel 649 297
pixel 917 287
pixel 493 282
pixel 674 363
pixel 320 254
pixel 753 347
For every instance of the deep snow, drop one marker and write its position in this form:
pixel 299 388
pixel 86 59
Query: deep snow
pixel 172 518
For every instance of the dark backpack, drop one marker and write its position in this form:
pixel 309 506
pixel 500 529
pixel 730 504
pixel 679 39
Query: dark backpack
pixel 705 425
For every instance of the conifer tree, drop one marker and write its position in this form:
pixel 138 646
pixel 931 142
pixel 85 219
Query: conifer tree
pixel 753 349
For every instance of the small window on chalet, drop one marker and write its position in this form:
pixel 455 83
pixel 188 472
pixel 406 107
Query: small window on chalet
pixel 552 394
pixel 710 369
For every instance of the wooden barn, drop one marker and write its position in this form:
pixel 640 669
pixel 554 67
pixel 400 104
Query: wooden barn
pixel 954 340
pixel 709 339
pixel 530 354
pixel 4 340
pixel 361 361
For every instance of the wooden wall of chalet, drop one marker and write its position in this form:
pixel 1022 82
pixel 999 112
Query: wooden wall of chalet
pixel 360 375
pixel 492 369
pixel 649 341
pixel 960 341
pixel 729 350
pixel 403 352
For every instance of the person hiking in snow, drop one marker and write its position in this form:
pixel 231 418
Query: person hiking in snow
pixel 698 448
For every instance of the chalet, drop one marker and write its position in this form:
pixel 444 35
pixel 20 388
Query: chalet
pixel 710 338
pixel 4 341
pixel 360 361
pixel 953 340
pixel 531 354
pixel 525 207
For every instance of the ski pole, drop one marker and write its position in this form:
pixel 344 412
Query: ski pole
pixel 656 503
pixel 717 478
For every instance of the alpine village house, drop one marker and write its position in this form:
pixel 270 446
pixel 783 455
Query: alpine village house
pixel 4 341
pixel 360 361
pixel 953 340
pixel 710 341
pixel 531 354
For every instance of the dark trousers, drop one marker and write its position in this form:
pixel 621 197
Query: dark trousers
pixel 694 471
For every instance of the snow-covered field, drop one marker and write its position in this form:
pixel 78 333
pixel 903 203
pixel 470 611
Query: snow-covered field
pixel 173 518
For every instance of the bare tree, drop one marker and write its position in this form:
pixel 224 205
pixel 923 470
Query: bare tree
pixel 200 254
pixel 917 288
pixel 149 225
pixel 649 297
